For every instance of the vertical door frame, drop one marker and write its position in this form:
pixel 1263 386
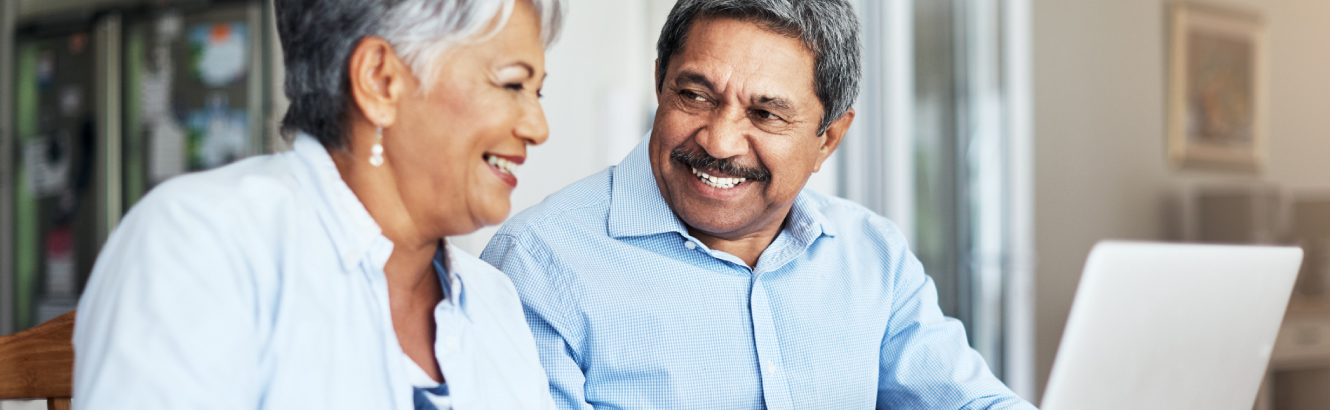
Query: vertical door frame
pixel 109 179
pixel 8 9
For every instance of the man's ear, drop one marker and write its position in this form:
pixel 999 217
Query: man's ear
pixel 832 138
pixel 378 79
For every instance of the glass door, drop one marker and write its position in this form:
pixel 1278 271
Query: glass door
pixel 56 201
pixel 194 80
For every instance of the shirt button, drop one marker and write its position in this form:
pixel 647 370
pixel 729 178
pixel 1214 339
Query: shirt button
pixel 690 245
pixel 450 343
pixel 771 369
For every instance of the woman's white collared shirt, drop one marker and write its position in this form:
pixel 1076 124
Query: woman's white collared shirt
pixel 260 285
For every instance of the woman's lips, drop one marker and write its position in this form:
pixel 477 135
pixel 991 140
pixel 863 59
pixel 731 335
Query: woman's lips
pixel 503 167
pixel 510 158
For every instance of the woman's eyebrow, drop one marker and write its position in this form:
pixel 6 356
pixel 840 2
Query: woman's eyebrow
pixel 530 71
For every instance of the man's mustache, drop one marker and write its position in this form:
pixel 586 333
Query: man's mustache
pixel 727 166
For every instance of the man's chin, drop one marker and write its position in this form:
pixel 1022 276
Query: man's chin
pixel 706 222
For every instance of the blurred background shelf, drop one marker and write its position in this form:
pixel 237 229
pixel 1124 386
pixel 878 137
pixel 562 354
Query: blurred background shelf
pixel 111 98
pixel 1304 339
pixel 1298 377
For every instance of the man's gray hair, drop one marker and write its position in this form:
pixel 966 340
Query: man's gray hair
pixel 828 28
pixel 318 36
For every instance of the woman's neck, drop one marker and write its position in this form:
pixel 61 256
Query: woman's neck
pixel 411 264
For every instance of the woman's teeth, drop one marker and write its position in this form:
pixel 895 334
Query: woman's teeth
pixel 719 183
pixel 501 164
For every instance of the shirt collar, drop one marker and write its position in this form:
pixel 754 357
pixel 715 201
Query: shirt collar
pixel 638 209
pixel 636 206
pixel 450 271
pixel 806 217
pixel 352 229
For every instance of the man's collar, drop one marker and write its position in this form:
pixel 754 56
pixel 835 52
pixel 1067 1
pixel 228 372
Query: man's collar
pixel 636 206
pixel 806 217
pixel 638 209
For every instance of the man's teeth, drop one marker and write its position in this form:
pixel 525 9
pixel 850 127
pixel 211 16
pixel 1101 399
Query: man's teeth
pixel 720 183
pixel 501 164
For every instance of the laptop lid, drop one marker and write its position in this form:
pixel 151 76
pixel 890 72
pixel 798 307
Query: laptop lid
pixel 1171 326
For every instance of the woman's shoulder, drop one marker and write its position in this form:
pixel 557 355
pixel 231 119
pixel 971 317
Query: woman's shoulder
pixel 255 191
pixel 195 242
pixel 253 180
pixel 247 201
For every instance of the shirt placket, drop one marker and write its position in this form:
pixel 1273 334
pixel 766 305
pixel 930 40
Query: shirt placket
pixel 390 348
pixel 775 389
pixel 451 346
pixel 775 385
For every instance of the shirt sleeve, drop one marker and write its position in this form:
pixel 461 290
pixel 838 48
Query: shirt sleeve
pixel 537 280
pixel 167 320
pixel 926 361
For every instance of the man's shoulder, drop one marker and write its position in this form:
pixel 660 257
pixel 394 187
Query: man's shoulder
pixel 846 214
pixel 492 285
pixel 858 224
pixel 585 202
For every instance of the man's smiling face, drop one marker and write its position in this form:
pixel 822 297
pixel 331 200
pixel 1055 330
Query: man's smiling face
pixel 735 136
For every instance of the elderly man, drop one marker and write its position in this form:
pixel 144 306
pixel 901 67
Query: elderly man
pixel 699 274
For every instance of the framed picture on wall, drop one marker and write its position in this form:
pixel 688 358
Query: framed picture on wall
pixel 1217 89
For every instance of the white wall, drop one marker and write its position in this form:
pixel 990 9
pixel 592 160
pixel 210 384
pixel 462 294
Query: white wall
pixel 1100 165
pixel 598 98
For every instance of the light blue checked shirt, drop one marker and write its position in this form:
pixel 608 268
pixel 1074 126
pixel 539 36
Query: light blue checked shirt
pixel 260 285
pixel 629 311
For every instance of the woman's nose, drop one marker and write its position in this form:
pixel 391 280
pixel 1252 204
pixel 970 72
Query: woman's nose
pixel 532 127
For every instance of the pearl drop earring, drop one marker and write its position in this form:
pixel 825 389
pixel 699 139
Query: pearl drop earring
pixel 376 151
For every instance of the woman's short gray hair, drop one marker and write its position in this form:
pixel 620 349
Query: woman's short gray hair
pixel 318 36
pixel 827 27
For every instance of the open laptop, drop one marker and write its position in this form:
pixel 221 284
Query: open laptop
pixel 1171 326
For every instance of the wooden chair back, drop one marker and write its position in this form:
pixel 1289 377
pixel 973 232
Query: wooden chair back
pixel 38 363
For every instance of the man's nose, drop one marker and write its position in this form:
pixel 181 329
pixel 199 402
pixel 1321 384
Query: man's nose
pixel 723 137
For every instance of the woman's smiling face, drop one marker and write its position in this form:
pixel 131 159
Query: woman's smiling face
pixel 453 148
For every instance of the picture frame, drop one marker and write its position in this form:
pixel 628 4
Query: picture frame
pixel 1217 89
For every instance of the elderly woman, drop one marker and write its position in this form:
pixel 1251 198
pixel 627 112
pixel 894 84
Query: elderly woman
pixel 319 278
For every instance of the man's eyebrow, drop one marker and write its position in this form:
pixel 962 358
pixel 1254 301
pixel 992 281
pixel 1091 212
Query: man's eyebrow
pixel 689 77
pixel 778 103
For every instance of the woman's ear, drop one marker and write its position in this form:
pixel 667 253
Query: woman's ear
pixel 379 80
